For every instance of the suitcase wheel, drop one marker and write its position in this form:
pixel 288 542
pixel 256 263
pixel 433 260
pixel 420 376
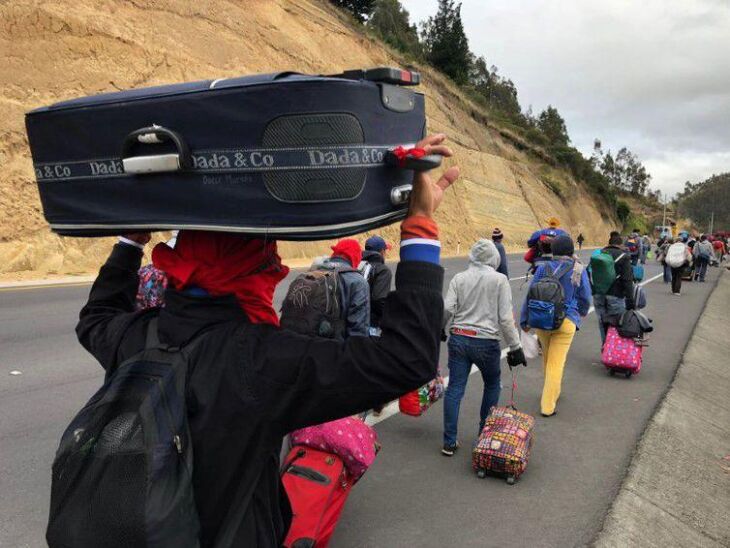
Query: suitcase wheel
pixel 628 374
pixel 481 473
pixel 510 480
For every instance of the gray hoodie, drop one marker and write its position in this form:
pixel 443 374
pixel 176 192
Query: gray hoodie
pixel 480 298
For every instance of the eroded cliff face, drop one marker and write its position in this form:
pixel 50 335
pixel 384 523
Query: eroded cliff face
pixel 54 50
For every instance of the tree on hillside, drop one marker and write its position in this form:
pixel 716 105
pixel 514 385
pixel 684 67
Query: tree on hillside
pixel 625 172
pixel 445 42
pixel 703 201
pixel 553 126
pixel 500 93
pixel 393 24
pixel 361 9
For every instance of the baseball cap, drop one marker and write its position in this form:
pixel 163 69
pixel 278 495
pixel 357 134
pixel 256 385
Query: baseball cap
pixel 376 243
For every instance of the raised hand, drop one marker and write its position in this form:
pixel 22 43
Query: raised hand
pixel 427 195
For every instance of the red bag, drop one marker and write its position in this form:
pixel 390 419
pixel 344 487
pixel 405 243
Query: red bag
pixel 318 485
pixel 416 402
pixel 531 255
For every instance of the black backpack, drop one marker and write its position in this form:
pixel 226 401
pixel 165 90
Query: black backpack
pixel 313 304
pixel 633 324
pixel 122 476
pixel 546 300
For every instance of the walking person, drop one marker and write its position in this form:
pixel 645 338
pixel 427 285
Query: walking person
pixel 354 290
pixel 497 237
pixel 378 276
pixel 576 301
pixel 613 283
pixel 478 310
pixel 678 258
pixel 248 381
pixel 662 258
pixel 633 246
pixel 579 240
pixel 702 254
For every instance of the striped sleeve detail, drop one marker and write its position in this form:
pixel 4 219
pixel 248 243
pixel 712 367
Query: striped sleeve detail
pixel 420 249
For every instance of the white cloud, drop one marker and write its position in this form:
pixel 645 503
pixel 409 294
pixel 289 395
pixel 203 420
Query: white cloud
pixel 652 75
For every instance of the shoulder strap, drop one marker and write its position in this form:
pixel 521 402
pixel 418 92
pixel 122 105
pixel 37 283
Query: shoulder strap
pixel 153 339
pixel 617 259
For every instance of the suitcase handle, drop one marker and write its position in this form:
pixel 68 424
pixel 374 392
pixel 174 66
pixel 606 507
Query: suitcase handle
pixel 386 75
pixel 410 159
pixel 156 163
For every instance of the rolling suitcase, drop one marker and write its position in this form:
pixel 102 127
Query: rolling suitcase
pixel 285 155
pixel 622 354
pixel 504 445
pixel 317 484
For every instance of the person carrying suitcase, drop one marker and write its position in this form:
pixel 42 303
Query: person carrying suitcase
pixel 478 311
pixel 249 382
pixel 612 283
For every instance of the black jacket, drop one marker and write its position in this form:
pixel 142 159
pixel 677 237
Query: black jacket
pixel 380 281
pixel 624 284
pixel 250 384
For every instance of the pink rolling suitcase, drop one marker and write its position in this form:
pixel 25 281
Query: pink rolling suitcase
pixel 622 354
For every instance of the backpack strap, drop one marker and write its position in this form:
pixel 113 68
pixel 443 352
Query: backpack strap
pixel 617 259
pixel 152 339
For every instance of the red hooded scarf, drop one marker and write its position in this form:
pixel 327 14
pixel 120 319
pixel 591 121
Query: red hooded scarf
pixel 349 250
pixel 222 263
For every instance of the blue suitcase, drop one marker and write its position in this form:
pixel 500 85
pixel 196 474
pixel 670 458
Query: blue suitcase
pixel 286 155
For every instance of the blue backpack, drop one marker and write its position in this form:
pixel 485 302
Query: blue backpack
pixel 546 299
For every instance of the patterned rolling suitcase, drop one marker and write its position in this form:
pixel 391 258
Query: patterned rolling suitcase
pixel 284 155
pixel 622 354
pixel 503 448
pixel 317 484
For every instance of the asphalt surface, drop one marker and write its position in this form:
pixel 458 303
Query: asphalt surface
pixel 412 496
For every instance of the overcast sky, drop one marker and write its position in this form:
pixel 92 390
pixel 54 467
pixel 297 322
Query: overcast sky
pixel 651 75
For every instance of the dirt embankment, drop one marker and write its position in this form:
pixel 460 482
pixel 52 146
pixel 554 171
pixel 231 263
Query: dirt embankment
pixel 54 50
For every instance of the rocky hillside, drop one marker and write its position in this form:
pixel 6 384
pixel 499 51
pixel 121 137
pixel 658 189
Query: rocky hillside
pixel 54 50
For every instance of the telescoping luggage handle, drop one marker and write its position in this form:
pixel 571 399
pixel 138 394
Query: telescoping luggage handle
pixel 156 163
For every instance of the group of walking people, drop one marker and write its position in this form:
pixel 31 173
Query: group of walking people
pixel 250 380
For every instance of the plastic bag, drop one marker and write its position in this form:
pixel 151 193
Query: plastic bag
pixel 529 345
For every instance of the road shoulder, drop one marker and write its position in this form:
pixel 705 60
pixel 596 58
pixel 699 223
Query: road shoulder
pixel 677 489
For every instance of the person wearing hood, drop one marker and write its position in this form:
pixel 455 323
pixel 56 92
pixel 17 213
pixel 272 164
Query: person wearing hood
pixel 478 311
pixel 354 290
pixel 556 343
pixel 378 276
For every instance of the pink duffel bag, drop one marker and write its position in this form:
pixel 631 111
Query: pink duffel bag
pixel 621 353
pixel 351 439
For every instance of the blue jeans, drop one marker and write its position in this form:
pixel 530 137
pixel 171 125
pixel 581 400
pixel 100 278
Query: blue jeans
pixel 667 274
pixel 701 268
pixel 608 309
pixel 463 352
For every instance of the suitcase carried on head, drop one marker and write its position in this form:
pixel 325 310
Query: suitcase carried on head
pixel 504 445
pixel 317 484
pixel 284 155
pixel 622 354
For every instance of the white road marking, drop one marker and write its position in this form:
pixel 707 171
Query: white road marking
pixel 392 408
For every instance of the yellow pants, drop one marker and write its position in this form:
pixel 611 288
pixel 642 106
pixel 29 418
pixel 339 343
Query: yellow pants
pixel 555 346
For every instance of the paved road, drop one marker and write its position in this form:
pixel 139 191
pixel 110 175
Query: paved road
pixel 412 495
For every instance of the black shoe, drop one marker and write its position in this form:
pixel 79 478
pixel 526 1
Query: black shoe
pixel 449 450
